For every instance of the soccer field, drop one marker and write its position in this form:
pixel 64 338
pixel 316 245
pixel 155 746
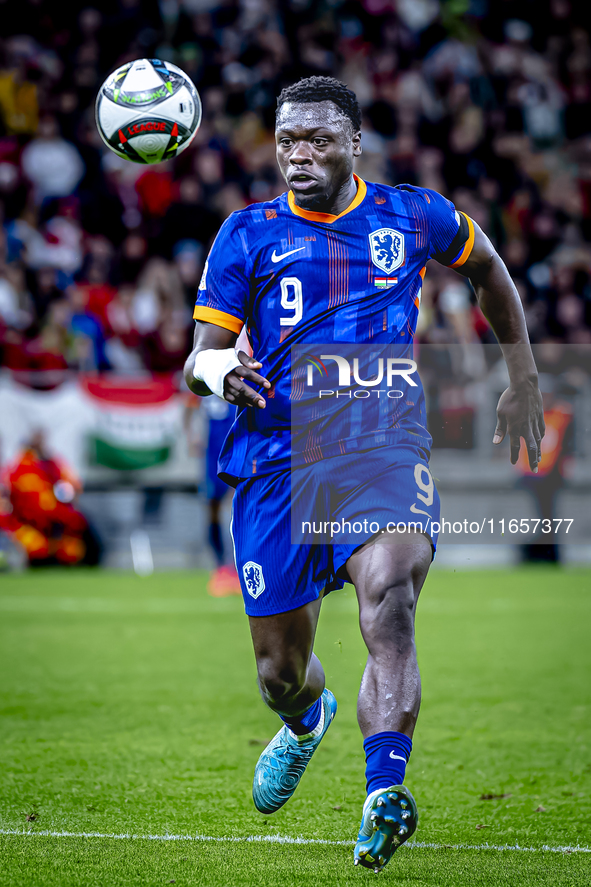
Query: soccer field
pixel 131 723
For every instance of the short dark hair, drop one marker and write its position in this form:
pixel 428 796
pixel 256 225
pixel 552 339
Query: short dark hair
pixel 323 89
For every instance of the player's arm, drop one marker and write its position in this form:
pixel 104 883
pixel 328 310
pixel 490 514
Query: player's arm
pixel 213 366
pixel 519 411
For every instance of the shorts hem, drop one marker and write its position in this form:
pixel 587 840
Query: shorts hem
pixel 278 609
pixel 340 561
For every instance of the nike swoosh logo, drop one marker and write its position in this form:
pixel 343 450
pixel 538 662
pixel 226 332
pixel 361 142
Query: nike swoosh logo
pixel 396 757
pixel 276 258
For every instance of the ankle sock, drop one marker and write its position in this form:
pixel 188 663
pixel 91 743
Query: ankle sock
pixel 386 756
pixel 311 721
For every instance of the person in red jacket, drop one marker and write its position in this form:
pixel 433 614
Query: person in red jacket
pixel 546 484
pixel 38 511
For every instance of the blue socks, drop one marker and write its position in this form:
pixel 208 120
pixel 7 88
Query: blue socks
pixel 386 756
pixel 306 723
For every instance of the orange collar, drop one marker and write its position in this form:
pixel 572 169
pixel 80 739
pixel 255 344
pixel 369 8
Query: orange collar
pixel 328 218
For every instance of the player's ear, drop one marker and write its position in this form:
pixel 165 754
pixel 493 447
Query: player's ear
pixel 357 144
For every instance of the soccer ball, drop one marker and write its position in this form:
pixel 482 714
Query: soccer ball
pixel 148 111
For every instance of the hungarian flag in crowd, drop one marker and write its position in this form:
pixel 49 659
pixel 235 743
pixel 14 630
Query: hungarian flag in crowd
pixel 136 421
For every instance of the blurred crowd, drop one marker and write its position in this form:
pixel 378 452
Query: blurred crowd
pixel 487 101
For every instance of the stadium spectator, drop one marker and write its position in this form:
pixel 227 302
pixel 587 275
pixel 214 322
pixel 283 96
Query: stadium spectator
pixel 86 331
pixel 189 218
pixel 494 112
pixel 165 349
pixel 40 514
pixel 53 166
pixel 19 94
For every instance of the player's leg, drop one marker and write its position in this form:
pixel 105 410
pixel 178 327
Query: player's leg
pixel 388 578
pixel 223 580
pixel 291 680
pixel 215 535
pixel 215 488
pixel 282 600
pixel 290 676
pixel 215 491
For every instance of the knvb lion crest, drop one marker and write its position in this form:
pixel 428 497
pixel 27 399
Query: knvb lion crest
pixel 253 579
pixel 387 249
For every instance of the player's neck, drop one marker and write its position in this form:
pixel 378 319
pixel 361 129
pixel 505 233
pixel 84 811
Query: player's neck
pixel 333 205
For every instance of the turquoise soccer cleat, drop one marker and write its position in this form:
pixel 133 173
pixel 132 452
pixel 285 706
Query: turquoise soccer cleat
pixel 282 764
pixel 389 818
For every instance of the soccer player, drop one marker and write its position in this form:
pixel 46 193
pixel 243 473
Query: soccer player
pixel 338 260
pixel 220 416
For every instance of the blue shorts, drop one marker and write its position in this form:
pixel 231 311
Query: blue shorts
pixel 351 498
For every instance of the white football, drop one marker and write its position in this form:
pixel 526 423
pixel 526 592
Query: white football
pixel 148 111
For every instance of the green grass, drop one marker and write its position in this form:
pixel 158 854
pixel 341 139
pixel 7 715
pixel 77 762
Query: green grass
pixel 129 705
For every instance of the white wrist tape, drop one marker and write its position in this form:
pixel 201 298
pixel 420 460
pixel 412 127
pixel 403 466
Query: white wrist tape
pixel 213 365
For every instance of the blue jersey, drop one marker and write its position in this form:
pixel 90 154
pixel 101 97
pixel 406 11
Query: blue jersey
pixel 301 279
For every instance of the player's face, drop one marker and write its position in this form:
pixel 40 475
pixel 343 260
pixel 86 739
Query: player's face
pixel 315 151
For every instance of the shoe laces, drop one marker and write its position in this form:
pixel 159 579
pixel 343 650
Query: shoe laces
pixel 292 751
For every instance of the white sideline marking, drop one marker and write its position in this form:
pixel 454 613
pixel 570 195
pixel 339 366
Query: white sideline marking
pixel 286 839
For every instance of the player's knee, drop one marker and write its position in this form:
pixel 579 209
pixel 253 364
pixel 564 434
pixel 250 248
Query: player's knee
pixel 392 594
pixel 280 680
pixel 388 610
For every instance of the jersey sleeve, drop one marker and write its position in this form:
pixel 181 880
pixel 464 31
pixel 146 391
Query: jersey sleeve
pixel 222 297
pixel 451 232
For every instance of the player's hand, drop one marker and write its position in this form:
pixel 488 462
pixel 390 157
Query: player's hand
pixel 521 415
pixel 237 391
